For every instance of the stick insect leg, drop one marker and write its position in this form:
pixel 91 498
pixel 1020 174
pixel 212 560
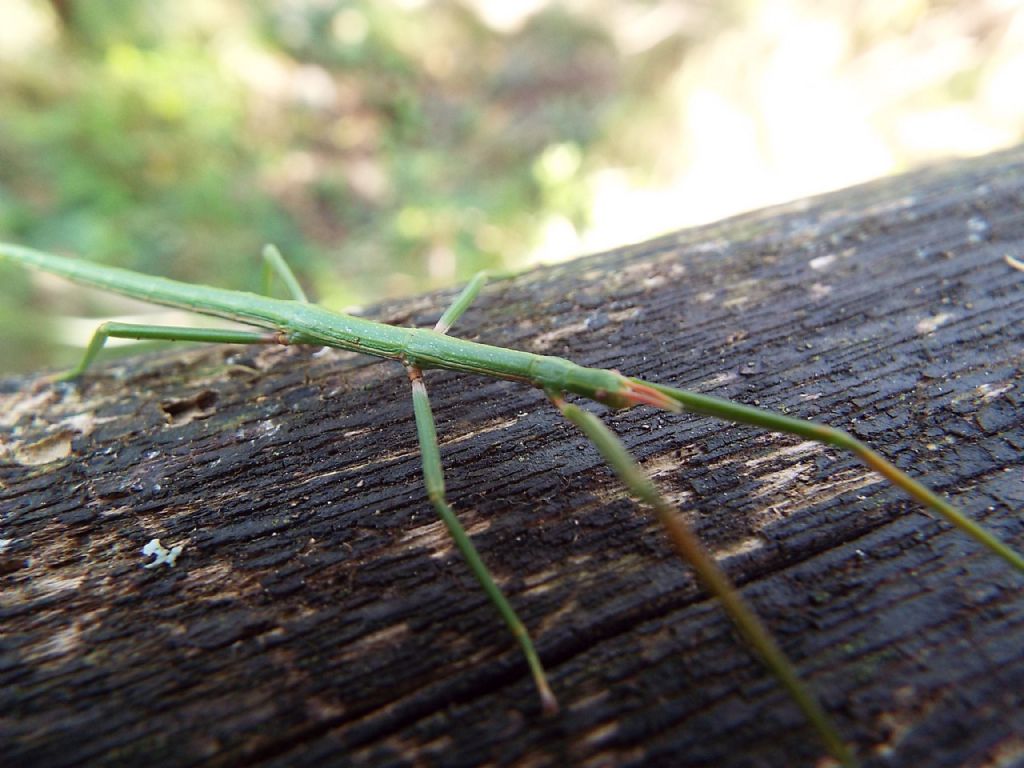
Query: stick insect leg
pixel 461 303
pixel 777 422
pixel 169 333
pixel 433 476
pixel 273 262
pixel 713 578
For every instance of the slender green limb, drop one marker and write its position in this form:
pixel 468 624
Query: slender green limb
pixel 168 333
pixel 726 409
pixel 433 476
pixel 713 578
pixel 461 303
pixel 433 479
pixel 273 261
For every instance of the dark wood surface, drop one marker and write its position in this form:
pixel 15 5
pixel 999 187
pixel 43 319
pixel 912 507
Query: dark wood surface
pixel 319 616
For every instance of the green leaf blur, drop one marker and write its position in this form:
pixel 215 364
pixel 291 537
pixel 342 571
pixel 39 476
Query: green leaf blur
pixel 393 146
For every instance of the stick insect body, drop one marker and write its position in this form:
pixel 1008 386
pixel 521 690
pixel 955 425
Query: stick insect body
pixel 297 321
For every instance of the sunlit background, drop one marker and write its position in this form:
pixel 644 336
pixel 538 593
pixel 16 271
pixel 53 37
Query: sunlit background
pixel 391 147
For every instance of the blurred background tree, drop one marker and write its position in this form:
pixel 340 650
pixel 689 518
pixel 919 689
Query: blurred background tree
pixel 389 147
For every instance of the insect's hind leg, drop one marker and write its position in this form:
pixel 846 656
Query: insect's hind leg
pixel 433 478
pixel 167 333
pixel 273 262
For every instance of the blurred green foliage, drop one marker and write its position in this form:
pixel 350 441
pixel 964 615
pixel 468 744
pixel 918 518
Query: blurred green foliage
pixel 384 150
pixel 397 145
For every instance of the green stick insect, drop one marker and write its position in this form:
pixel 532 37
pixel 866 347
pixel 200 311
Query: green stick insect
pixel 297 321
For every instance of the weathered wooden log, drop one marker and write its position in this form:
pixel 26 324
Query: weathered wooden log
pixel 318 614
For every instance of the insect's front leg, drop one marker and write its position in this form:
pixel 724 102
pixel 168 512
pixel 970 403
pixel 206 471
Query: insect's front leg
pixel 714 578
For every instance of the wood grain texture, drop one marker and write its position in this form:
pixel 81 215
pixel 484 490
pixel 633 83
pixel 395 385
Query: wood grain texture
pixel 319 616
